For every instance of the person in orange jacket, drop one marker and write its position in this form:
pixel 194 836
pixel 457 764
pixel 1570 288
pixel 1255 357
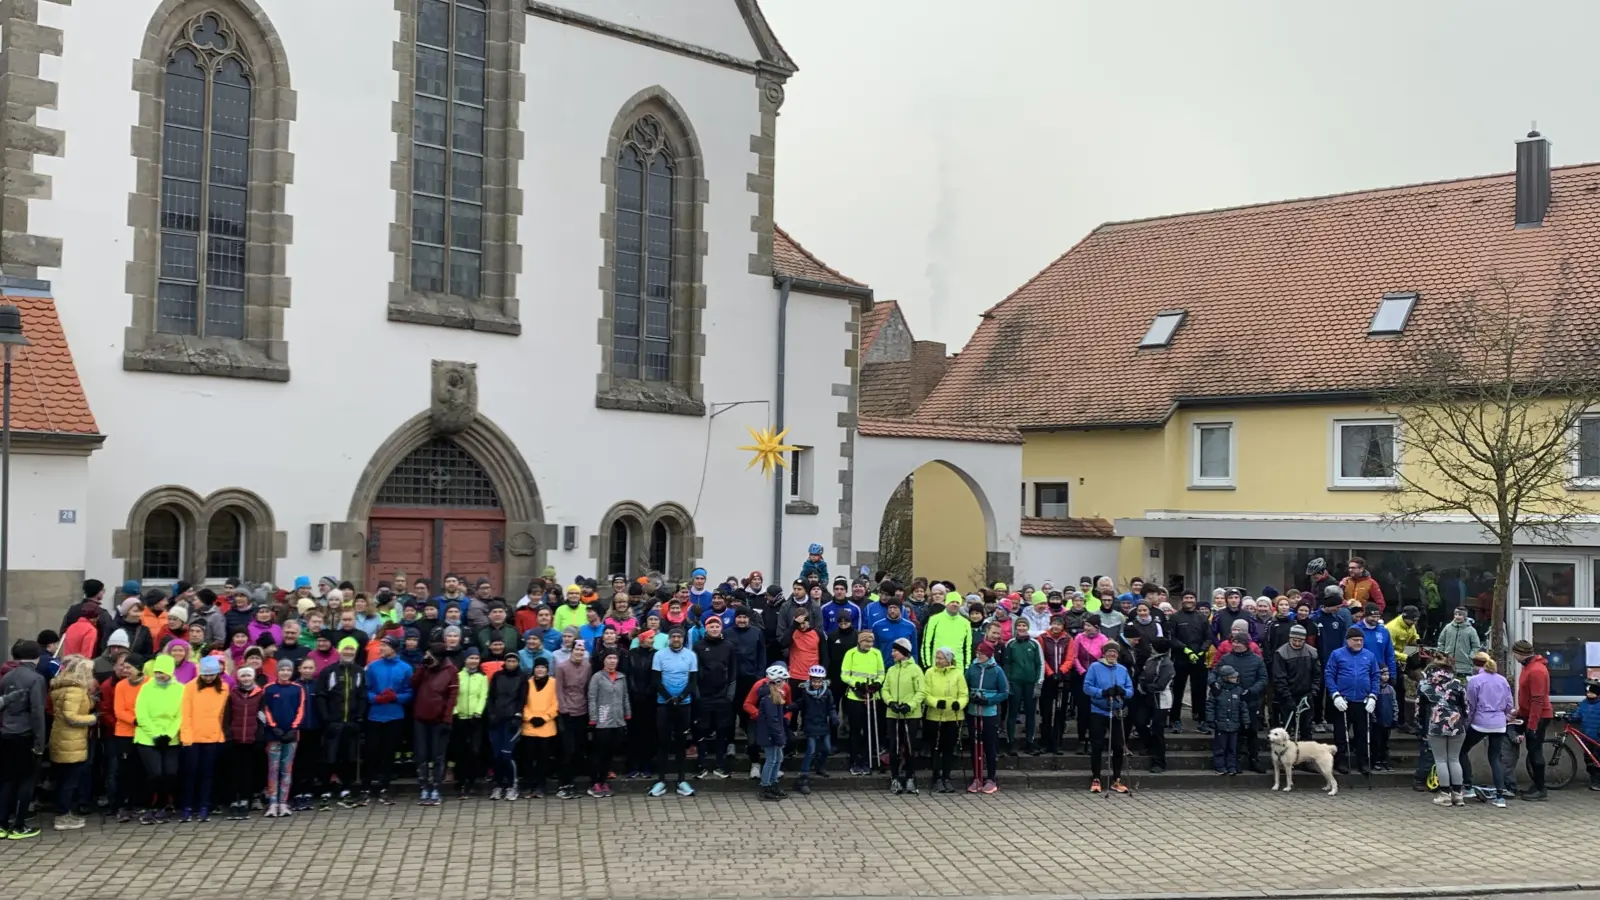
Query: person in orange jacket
pixel 205 703
pixel 537 747
pixel 124 775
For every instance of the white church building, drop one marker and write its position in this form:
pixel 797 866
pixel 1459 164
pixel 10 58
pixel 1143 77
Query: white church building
pixel 424 286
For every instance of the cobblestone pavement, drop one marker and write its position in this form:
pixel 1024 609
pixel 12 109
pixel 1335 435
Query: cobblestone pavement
pixel 838 844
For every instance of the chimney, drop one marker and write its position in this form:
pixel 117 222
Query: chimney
pixel 1533 180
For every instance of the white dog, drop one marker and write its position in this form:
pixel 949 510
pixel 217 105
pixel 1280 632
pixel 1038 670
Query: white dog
pixel 1286 754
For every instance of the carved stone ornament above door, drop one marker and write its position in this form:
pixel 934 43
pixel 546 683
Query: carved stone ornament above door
pixel 455 396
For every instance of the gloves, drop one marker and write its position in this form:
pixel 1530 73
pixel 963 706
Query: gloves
pixel 1372 704
pixel 955 705
pixel 162 742
pixel 1340 703
pixel 289 736
pixel 941 705
pixel 905 709
pixel 387 696
pixel 537 721
pixel 1112 693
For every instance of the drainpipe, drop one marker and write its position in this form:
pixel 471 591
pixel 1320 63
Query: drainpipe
pixel 784 283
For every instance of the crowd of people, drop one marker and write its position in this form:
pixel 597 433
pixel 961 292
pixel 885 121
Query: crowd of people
pixel 157 706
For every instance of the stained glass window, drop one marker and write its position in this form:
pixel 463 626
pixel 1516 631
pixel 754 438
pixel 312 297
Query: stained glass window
pixel 204 184
pixel 448 147
pixel 642 320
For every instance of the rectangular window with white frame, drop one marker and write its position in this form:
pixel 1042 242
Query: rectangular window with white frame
pixel 1586 454
pixel 1212 455
pixel 1364 453
pixel 1050 500
pixel 799 475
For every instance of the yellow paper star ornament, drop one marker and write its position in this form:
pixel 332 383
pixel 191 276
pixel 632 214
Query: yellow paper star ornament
pixel 769 449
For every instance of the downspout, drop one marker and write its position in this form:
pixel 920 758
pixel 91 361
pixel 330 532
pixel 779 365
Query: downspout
pixel 784 283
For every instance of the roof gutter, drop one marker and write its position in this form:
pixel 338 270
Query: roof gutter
pixel 825 288
pixel 1206 402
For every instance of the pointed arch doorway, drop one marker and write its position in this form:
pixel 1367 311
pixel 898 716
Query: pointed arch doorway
pixel 430 504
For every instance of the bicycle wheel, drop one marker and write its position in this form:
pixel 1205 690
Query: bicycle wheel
pixel 1561 764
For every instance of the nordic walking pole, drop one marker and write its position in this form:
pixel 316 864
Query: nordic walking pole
pixel 1368 757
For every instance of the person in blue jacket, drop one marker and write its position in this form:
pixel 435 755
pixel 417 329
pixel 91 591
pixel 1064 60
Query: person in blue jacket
pixel 1352 682
pixel 699 594
pixel 1328 624
pixel 814 565
pixel 1109 688
pixel 1376 639
pixel 839 602
pixel 893 627
pixel 388 695
pixel 986 691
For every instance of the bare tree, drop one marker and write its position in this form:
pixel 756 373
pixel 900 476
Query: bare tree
pixel 1488 421
pixel 894 536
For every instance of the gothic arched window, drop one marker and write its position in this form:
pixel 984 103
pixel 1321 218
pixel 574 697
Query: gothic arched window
pixel 448 137
pixel 642 335
pixel 205 174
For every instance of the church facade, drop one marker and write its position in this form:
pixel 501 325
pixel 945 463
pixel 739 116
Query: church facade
pixel 413 286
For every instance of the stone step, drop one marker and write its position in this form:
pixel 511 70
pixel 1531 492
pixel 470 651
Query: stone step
pixel 1056 780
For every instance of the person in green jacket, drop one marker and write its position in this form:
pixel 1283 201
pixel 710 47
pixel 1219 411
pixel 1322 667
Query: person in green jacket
pixel 158 713
pixel 944 694
pixel 949 629
pixel 862 674
pixel 1458 641
pixel 1023 662
pixel 466 733
pixel 902 698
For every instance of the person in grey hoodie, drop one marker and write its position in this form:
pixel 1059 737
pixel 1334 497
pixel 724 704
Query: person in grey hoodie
pixel 22 737
pixel 1458 641
pixel 610 708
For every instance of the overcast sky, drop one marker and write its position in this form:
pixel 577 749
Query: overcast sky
pixel 944 151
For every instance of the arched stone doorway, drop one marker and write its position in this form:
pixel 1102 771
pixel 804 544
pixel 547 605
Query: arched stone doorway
pixel 430 503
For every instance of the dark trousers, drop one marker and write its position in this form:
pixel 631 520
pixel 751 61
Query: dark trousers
pixel 309 770
pixel 1054 701
pixel 902 749
pixel 161 772
pixel 538 760
pixel 466 750
pixel 1192 674
pixel 672 730
pixel 741 691
pixel 1225 751
pixel 198 763
pixel 1350 734
pixel 641 738
pixel 855 713
pixel 383 741
pixel 716 731
pixel 1534 742
pixel 1022 704
pixel 19 770
pixel 574 734
pixel 340 750
pixel 606 743
pixel 1084 712
pixel 430 745
pixel 1497 770
pixel 72 785
pixel 1105 732
pixel 942 740
pixel 1380 743
pixel 124 776
pixel 985 745
pixel 503 739
pixel 246 770
pixel 1283 711
pixel 1155 736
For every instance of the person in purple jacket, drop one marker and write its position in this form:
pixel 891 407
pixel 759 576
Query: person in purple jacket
pixel 1489 710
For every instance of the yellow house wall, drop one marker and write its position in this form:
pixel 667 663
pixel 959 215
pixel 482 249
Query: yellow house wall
pixel 1282 464
pixel 947 535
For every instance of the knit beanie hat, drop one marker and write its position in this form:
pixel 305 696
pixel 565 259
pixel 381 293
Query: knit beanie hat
pixel 119 638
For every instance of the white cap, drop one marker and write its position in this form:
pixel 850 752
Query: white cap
pixel 119 638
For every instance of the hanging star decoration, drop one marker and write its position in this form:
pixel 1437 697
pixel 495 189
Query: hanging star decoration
pixel 768 448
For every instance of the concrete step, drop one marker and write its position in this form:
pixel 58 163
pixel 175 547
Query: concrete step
pixel 1055 780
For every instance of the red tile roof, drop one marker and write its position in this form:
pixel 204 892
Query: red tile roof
pixel 789 258
pixel 1068 528
pixel 873 322
pixel 1278 297
pixel 46 395
pixel 934 429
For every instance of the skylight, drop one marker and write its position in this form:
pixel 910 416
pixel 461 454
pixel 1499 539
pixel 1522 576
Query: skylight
pixel 1160 333
pixel 1393 312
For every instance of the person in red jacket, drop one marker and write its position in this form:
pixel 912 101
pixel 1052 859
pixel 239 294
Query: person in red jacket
pixel 1055 695
pixel 82 636
pixel 1533 710
pixel 434 687
pixel 1360 585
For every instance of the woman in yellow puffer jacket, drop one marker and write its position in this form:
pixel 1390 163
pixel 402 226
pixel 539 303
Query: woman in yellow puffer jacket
pixel 944 689
pixel 72 696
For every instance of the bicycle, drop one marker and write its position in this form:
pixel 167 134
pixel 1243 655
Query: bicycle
pixel 1561 763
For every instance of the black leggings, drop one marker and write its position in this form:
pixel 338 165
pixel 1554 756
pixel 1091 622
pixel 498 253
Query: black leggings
pixel 1103 730
pixel 942 739
pixel 672 726
pixel 574 734
pixel 160 772
pixel 606 743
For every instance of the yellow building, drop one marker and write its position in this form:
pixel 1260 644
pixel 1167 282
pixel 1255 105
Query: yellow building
pixel 1207 382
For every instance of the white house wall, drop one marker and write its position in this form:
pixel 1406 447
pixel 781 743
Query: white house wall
pixel 42 487
pixel 1065 560
pixel 356 377
pixel 712 24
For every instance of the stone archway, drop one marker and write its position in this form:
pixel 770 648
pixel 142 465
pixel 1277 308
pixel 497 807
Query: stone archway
pixel 526 539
